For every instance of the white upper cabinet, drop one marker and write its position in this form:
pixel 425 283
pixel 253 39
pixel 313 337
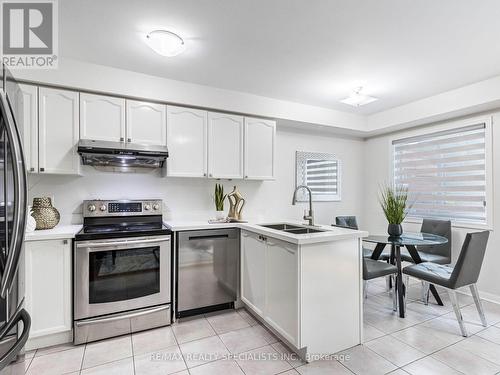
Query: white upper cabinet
pixel 187 142
pixel 58 131
pixel 225 145
pixel 146 123
pixel 260 146
pixel 28 124
pixel 102 118
pixel 200 143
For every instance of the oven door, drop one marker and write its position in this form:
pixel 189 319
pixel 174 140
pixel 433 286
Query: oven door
pixel 121 274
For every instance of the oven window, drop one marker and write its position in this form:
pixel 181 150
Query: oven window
pixel 120 275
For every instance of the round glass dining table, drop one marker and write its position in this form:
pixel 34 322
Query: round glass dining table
pixel 410 241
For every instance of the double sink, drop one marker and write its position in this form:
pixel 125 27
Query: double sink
pixel 292 229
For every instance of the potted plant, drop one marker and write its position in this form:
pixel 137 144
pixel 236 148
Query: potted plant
pixel 393 202
pixel 219 198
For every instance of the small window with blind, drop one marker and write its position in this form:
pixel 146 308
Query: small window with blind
pixel 321 173
pixel 445 173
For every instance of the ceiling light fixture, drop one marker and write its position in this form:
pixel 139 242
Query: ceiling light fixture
pixel 357 99
pixel 165 43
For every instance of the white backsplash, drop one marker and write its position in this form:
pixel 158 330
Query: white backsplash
pixel 191 198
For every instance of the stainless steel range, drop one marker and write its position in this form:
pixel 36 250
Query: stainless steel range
pixel 122 269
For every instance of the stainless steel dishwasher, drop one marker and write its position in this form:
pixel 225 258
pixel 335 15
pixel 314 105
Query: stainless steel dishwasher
pixel 208 264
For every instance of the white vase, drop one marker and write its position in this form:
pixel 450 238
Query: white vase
pixel 30 221
pixel 219 215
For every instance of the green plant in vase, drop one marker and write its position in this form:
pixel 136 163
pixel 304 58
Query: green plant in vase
pixel 219 198
pixel 393 201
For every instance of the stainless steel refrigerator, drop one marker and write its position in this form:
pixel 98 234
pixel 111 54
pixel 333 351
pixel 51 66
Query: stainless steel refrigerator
pixel 14 320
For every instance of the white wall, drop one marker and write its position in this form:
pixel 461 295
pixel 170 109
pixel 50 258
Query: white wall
pixel 187 198
pixel 377 155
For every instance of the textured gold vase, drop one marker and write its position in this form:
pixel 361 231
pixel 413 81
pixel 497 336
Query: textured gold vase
pixel 45 215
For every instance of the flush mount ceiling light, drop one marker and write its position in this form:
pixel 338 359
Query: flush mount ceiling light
pixel 165 43
pixel 357 99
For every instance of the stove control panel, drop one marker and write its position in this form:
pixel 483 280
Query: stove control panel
pixel 102 208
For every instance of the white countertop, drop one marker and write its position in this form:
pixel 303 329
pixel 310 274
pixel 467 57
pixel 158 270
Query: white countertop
pixel 330 233
pixel 181 225
pixel 59 232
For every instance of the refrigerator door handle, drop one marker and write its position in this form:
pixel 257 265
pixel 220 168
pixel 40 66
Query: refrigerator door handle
pixel 20 201
pixel 19 316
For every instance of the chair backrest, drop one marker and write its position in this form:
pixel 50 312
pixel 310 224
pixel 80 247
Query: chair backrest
pixel 365 269
pixel 470 260
pixel 440 228
pixel 346 222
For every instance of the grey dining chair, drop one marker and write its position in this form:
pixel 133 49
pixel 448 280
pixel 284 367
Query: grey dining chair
pixel 346 222
pixel 440 254
pixel 373 269
pixel 464 273
pixel 351 223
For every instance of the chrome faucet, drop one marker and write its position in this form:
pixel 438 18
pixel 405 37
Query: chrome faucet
pixel 310 215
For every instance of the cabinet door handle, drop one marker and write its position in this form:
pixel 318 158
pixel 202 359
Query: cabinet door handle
pixel 129 140
pixel 65 242
pixel 122 139
pixel 32 169
pixel 210 175
pixel 42 169
pixel 208 237
pixel 204 175
pixel 246 176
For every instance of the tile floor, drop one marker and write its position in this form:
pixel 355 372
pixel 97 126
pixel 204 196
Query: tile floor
pixel 428 341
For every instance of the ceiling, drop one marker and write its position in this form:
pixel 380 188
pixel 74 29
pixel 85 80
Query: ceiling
pixel 311 52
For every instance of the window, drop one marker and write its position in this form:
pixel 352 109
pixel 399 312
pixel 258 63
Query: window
pixel 321 173
pixel 445 173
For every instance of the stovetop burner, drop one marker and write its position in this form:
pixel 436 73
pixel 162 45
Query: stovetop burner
pixel 124 218
pixel 98 233
pixel 125 227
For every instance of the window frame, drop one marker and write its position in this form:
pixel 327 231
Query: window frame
pixel 488 150
pixel 302 194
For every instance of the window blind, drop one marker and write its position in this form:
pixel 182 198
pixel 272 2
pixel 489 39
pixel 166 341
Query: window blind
pixel 445 174
pixel 321 173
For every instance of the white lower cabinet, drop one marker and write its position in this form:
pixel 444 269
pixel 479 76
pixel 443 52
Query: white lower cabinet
pixel 269 282
pixel 309 294
pixel 253 271
pixel 47 290
pixel 282 287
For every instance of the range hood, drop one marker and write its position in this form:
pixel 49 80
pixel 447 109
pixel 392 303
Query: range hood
pixel 121 154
